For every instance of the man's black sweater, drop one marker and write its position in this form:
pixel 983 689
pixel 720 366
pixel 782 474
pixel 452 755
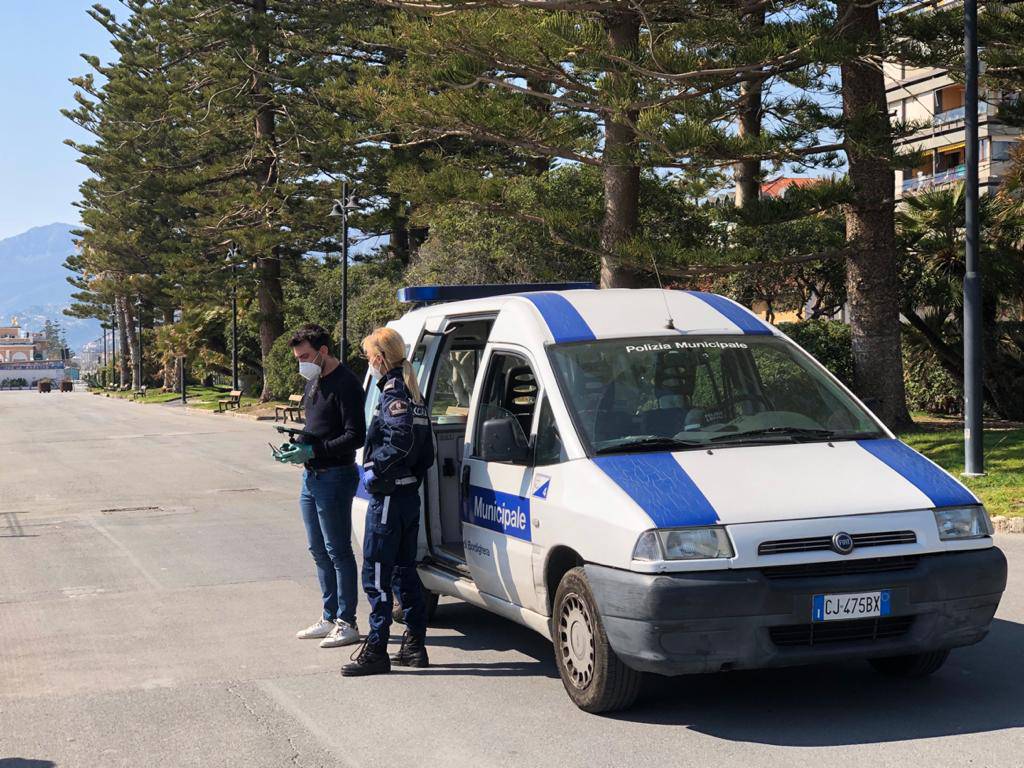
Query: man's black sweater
pixel 334 413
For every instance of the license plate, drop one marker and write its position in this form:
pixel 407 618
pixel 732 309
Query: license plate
pixel 854 605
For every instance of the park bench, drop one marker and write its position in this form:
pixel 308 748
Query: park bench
pixel 233 400
pixel 140 392
pixel 293 409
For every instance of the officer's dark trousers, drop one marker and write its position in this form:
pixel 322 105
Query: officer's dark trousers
pixel 389 556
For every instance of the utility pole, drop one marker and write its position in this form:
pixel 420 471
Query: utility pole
pixel 341 208
pixel 974 456
pixel 233 264
pixel 181 372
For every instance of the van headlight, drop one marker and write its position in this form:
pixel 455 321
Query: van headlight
pixel 963 523
pixel 683 544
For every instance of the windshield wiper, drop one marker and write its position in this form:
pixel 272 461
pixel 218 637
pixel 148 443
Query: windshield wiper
pixel 795 433
pixel 649 444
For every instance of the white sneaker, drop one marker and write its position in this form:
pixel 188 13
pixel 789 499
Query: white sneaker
pixel 321 629
pixel 342 634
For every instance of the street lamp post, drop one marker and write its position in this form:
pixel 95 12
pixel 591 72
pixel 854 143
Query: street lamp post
pixel 113 346
pixel 974 457
pixel 233 263
pixel 138 309
pixel 103 365
pixel 341 208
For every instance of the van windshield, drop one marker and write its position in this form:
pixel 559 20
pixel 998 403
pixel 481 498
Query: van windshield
pixel 676 393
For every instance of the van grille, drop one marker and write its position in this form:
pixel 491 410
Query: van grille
pixel 841 567
pixel 852 631
pixel 821 543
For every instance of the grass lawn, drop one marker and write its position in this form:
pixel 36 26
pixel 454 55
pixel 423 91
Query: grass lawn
pixel 198 397
pixel 1002 487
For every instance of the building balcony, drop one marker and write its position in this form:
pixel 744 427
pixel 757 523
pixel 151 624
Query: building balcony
pixel 953 115
pixel 935 180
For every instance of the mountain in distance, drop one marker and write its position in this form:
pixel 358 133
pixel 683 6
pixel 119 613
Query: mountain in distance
pixel 33 282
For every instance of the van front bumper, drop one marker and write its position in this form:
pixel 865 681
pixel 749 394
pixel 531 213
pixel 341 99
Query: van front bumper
pixel 707 621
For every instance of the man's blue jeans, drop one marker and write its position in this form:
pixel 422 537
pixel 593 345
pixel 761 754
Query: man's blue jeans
pixel 326 504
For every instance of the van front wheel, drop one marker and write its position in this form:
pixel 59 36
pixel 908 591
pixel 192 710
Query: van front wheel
pixel 594 677
pixel 913 666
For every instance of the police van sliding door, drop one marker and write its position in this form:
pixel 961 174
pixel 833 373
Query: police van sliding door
pixel 497 530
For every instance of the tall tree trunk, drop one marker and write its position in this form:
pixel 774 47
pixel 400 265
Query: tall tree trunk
pixel 271 301
pixel 170 362
pixel 620 171
pixel 871 273
pixel 747 173
pixel 270 292
pixel 132 348
pixel 122 328
pixel 539 163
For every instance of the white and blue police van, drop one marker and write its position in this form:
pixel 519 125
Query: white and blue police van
pixel 660 482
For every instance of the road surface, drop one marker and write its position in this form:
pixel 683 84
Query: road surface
pixel 153 571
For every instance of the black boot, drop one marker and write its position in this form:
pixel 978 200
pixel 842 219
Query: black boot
pixel 412 653
pixel 368 660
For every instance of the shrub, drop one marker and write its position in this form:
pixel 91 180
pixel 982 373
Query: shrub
pixel 282 371
pixel 929 386
pixel 828 341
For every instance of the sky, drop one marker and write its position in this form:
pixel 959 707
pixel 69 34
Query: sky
pixel 40 43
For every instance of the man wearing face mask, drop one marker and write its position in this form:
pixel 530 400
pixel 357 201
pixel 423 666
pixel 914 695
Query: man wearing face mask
pixel 333 402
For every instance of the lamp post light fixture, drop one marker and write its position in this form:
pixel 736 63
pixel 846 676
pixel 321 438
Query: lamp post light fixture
pixel 341 207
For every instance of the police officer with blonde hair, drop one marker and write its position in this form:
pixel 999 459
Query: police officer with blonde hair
pixel 399 450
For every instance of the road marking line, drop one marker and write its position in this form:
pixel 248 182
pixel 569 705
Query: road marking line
pixel 127 553
pixel 326 738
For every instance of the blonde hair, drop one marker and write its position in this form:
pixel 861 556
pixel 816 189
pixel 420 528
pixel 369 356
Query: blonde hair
pixel 387 343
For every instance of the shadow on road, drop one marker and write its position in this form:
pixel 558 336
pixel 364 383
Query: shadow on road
pixel 21 762
pixel 483 631
pixel 838 704
pixel 977 691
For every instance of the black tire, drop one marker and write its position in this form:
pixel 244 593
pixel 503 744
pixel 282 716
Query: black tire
pixel 594 677
pixel 915 665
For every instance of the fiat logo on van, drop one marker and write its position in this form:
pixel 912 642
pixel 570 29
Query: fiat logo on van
pixel 842 543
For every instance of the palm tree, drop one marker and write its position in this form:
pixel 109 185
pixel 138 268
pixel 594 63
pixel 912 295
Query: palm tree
pixel 930 228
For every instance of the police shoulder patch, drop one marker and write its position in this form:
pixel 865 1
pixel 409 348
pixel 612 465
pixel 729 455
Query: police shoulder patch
pixel 397 407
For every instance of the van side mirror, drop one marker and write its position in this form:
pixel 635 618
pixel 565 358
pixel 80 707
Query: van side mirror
pixel 502 440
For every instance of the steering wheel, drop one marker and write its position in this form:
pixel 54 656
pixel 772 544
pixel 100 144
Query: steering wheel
pixel 746 397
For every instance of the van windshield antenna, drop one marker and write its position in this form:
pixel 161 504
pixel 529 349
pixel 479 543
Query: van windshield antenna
pixel 669 323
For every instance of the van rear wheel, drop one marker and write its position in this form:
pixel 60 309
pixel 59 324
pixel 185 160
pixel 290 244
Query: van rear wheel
pixel 912 666
pixel 594 677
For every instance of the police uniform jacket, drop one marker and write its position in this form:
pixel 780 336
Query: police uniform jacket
pixel 399 444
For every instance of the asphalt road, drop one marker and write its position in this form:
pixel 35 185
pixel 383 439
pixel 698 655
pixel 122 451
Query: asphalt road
pixel 153 571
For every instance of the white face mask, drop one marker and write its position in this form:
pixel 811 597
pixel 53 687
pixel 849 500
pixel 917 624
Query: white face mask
pixel 376 372
pixel 309 370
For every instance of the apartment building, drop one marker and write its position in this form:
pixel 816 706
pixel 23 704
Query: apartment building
pixel 931 99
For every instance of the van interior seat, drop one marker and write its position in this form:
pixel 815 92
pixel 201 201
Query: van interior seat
pixel 520 395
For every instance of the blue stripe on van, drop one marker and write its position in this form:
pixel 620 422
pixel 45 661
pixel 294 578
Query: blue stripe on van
pixel 661 487
pixel 747 321
pixel 933 482
pixel 563 319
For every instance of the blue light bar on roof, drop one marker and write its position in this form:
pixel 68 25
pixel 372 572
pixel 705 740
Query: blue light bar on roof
pixel 424 294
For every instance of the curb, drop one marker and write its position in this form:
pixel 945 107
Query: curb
pixel 1004 524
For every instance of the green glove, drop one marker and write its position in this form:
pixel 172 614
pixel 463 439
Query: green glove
pixel 296 453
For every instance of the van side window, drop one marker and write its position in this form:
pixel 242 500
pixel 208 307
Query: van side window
pixel 456 375
pixel 548 446
pixel 510 389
